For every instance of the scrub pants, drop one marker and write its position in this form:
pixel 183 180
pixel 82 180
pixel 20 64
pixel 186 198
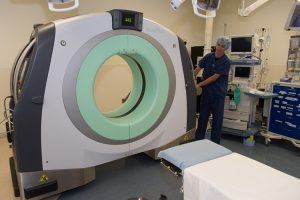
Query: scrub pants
pixel 215 106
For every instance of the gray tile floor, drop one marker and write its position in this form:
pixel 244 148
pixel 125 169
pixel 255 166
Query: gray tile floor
pixel 139 175
pixel 132 177
pixel 279 154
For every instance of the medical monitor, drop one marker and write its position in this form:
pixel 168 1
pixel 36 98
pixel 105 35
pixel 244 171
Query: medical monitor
pixel 293 20
pixel 241 44
pixel 242 72
pixel 196 52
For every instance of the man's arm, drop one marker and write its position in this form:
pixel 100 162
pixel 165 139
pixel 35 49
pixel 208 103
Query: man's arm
pixel 197 70
pixel 200 65
pixel 221 70
pixel 210 80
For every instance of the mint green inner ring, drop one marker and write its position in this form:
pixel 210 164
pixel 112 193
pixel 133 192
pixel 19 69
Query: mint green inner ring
pixel 156 88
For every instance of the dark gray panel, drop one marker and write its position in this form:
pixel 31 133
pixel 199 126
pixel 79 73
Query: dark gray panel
pixel 13 70
pixel 28 111
pixel 131 177
pixel 191 97
pixel 118 17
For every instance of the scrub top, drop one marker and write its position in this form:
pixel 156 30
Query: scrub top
pixel 213 65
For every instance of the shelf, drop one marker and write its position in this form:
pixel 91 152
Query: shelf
pixel 295 49
pixel 293 69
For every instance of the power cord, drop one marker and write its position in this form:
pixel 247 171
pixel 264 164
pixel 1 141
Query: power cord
pixel 5 109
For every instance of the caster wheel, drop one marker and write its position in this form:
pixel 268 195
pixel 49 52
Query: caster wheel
pixel 267 141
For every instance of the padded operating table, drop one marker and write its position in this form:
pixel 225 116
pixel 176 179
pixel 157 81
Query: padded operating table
pixel 211 171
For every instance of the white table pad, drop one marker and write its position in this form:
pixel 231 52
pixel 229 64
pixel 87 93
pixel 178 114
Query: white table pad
pixel 236 177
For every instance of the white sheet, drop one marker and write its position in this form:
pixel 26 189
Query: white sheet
pixel 236 177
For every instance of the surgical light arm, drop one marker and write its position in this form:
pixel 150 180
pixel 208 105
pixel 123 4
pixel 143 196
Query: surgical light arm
pixel 53 3
pixel 246 11
pixel 200 6
pixel 176 3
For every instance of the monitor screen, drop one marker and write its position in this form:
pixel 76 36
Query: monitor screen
pixel 242 72
pixel 128 19
pixel 196 51
pixel 241 44
pixel 293 20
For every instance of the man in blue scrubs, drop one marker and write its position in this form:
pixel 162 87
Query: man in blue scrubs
pixel 214 89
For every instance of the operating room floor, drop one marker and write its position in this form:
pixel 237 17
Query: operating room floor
pixel 139 175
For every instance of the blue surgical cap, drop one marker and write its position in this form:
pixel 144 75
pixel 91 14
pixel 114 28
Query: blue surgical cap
pixel 223 40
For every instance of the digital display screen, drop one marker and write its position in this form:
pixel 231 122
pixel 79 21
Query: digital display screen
pixel 128 19
pixel 241 44
pixel 242 72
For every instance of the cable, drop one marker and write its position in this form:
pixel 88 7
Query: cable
pixel 6 132
pixel 2 121
pixel 4 103
pixel 6 120
pixel 2 134
pixel 6 116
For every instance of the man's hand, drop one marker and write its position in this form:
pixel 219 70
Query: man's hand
pixel 198 89
pixel 209 80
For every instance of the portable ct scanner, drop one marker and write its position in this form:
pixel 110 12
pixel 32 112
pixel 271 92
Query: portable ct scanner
pixel 59 132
